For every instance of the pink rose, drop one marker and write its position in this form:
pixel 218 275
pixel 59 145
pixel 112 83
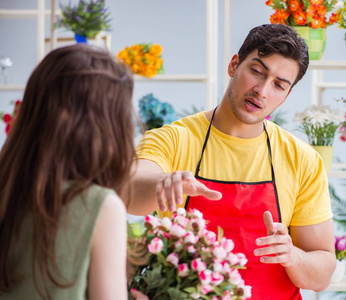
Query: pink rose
pixel 225 267
pixel 151 222
pixel 233 259
pixel 173 259
pixel 177 231
pixel 155 246
pixel 209 237
pixel 182 221
pixel 217 266
pixel 181 211
pixel 178 244
pixel 183 270
pixel 190 238
pixel 191 249
pixel 166 224
pixel 196 213
pixel 242 259
pixel 226 296
pixel 219 252
pixel 234 277
pixel 198 265
pixel 205 276
pixel 197 224
pixel 216 278
pixel 227 244
pixel 205 289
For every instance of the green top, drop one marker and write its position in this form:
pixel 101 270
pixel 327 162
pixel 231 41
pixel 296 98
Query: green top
pixel 77 224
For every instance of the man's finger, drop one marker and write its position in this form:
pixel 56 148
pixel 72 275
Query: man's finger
pixel 177 187
pixel 138 295
pixel 210 194
pixel 159 195
pixel 268 221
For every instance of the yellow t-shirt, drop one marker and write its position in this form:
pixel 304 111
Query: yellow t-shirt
pixel 301 179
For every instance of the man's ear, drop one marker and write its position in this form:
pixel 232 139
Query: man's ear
pixel 232 66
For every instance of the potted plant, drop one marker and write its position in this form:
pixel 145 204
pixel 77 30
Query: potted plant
pixel 320 124
pixel 86 19
pixel 340 253
pixel 153 113
pixel 309 18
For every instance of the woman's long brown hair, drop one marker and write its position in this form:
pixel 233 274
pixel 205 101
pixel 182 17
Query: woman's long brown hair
pixel 75 123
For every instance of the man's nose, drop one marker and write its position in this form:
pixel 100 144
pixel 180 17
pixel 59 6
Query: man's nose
pixel 261 89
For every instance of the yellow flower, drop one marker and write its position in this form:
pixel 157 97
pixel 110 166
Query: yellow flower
pixel 144 59
pixel 155 49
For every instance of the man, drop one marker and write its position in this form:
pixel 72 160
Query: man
pixel 271 188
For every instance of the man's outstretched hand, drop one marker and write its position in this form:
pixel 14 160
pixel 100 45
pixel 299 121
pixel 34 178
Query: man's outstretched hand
pixel 171 188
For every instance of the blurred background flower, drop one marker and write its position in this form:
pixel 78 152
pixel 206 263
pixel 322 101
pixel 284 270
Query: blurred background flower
pixel 153 113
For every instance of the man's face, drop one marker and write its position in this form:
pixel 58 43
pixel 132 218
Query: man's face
pixel 259 85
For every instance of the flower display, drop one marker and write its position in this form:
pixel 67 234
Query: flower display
pixel 342 128
pixel 9 119
pixel 143 59
pixel 320 124
pixel 154 113
pixel 340 247
pixel 341 14
pixel 312 13
pixel 187 261
pixel 86 18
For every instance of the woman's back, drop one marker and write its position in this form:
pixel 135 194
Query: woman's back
pixel 72 247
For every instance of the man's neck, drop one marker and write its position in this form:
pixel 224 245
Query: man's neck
pixel 227 123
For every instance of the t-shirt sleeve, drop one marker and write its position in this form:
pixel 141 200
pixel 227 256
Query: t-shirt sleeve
pixel 158 145
pixel 313 204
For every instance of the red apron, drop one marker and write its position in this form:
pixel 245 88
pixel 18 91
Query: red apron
pixel 240 214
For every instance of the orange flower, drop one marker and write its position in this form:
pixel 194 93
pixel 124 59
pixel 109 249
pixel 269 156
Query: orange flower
pixel 279 17
pixel 269 2
pixel 300 17
pixel 317 23
pixel 294 5
pixel 316 2
pixel 333 18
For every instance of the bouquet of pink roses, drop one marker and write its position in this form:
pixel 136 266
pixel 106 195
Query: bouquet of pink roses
pixel 187 261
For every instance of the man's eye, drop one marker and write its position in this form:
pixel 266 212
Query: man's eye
pixel 256 71
pixel 280 86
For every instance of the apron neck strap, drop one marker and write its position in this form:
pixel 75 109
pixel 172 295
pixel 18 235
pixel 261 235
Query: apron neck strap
pixel 205 142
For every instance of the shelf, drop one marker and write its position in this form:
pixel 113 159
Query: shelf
pixel 331 85
pixel 338 170
pixel 11 87
pixel 327 65
pixel 21 13
pixel 338 287
pixel 173 77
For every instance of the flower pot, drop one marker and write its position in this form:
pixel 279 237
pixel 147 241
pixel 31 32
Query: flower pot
pixel 80 38
pixel 326 153
pixel 314 38
pixel 339 271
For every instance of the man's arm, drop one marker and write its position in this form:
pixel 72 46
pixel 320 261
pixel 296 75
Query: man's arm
pixel 307 252
pixel 153 189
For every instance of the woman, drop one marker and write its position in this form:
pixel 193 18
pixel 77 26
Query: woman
pixel 62 167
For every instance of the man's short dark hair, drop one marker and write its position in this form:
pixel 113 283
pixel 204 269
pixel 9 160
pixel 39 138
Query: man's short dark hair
pixel 280 39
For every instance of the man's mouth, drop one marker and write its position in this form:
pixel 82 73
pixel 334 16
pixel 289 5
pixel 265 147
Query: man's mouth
pixel 253 103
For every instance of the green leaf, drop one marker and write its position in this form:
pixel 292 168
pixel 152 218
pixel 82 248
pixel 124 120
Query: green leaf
pixel 219 233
